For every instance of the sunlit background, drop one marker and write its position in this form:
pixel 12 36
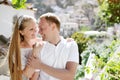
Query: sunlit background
pixel 93 24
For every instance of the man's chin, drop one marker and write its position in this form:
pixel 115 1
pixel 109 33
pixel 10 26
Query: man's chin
pixel 43 39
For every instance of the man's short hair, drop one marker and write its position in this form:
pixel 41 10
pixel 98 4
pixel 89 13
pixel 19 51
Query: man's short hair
pixel 50 17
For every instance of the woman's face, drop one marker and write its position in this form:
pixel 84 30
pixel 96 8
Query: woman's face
pixel 30 31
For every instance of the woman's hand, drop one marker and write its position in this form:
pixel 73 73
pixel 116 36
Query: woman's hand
pixel 69 39
pixel 37 48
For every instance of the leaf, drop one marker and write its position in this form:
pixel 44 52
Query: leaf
pixel 18 4
pixel 14 1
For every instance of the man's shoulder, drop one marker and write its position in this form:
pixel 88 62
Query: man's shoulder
pixel 70 43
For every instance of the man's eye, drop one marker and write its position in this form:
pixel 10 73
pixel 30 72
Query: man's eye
pixel 41 29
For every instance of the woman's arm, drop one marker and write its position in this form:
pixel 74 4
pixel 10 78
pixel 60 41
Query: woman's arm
pixel 28 71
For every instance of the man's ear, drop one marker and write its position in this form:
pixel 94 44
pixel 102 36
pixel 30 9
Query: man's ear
pixel 53 26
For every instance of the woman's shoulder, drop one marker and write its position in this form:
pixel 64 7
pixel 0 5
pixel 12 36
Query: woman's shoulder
pixel 25 50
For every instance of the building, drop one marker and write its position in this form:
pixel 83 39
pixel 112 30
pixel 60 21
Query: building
pixel 67 29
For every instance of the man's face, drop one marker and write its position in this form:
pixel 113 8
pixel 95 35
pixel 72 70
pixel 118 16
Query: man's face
pixel 44 29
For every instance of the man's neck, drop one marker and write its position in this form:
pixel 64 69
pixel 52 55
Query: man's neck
pixel 55 40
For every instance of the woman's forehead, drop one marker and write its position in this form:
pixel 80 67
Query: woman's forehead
pixel 30 24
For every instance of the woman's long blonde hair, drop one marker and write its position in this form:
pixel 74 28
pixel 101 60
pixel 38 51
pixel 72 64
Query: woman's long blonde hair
pixel 14 56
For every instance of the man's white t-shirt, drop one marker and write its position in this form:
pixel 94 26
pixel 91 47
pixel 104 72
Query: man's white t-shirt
pixel 58 56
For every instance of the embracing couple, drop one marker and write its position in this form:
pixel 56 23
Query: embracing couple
pixel 48 58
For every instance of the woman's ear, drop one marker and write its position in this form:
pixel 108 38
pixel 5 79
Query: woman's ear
pixel 21 32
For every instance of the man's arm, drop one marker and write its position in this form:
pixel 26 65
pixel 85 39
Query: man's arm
pixel 63 74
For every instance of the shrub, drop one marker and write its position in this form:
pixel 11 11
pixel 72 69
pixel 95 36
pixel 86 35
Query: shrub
pixel 81 42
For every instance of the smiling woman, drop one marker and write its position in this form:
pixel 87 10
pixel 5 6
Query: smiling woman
pixel 21 44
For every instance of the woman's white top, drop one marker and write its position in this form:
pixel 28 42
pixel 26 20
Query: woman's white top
pixel 25 52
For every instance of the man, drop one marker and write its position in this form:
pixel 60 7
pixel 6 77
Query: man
pixel 58 59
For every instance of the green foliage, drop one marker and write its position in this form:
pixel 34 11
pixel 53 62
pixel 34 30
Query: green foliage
pixel 100 1
pixel 103 56
pixel 104 52
pixel 80 72
pixel 100 63
pixel 81 41
pixel 19 4
pixel 85 55
pixel 110 11
pixel 112 68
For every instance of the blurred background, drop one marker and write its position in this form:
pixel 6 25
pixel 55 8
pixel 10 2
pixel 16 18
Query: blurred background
pixel 93 24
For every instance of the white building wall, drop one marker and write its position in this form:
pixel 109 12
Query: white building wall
pixel 68 28
pixel 6 18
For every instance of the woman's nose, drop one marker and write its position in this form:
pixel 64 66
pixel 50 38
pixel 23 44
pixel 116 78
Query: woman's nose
pixel 40 31
pixel 36 30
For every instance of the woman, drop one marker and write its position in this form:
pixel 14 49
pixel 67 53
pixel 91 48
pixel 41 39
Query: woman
pixel 23 38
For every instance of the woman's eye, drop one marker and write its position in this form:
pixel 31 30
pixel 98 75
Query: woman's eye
pixel 31 29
